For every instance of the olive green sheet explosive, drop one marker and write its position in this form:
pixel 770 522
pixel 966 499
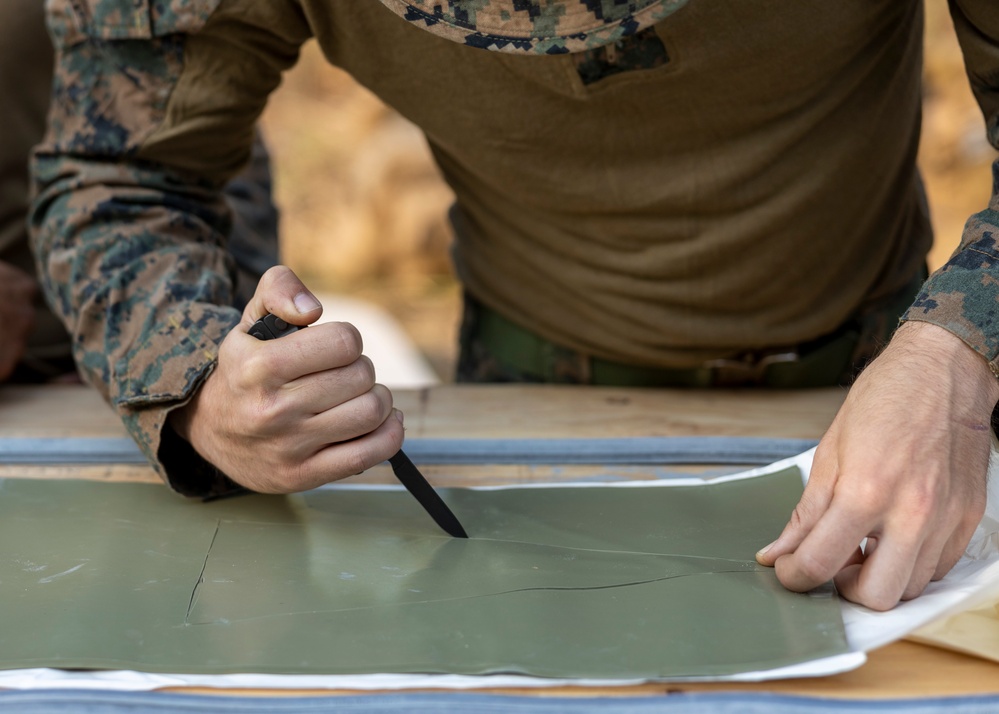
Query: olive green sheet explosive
pixel 588 582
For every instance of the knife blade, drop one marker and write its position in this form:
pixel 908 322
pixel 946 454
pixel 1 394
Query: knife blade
pixel 414 481
pixel 271 327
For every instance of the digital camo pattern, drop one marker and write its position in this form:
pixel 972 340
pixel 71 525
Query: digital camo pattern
pixel 74 21
pixel 253 240
pixel 132 256
pixel 643 50
pixel 144 304
pixel 132 253
pixel 963 295
pixel 534 26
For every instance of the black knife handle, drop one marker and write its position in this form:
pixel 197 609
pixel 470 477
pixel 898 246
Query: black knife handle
pixel 270 327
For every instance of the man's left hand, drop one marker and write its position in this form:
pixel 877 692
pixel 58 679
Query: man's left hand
pixel 903 465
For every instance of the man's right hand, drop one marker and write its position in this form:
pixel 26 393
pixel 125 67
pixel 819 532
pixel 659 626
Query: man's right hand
pixel 17 311
pixel 291 414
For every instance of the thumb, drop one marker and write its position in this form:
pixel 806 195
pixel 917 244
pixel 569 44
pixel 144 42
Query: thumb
pixel 282 293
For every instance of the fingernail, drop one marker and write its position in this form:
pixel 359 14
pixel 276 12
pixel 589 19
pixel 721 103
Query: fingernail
pixel 306 302
pixel 398 415
pixel 763 551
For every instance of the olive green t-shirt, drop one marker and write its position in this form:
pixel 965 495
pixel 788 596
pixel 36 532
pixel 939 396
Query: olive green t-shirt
pixel 752 185
pixel 755 189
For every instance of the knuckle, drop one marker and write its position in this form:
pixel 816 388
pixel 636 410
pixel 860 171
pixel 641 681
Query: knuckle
pixel 384 395
pixel 883 591
pixel 257 365
pixel 797 518
pixel 294 477
pixel 397 436
pixel 825 451
pixel 357 464
pixel 812 569
pixel 967 511
pixel 367 370
pixel 880 601
pixel 348 340
pixel 922 502
pixel 869 496
pixel 803 514
pixel 947 562
pixel 357 377
pixel 273 275
pixel 352 461
pixel 913 590
pixel 369 409
pixel 264 413
pixel 925 508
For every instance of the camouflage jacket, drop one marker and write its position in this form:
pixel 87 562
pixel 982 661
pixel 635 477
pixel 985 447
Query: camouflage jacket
pixel 154 106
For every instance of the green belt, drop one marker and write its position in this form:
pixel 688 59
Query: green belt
pixel 829 360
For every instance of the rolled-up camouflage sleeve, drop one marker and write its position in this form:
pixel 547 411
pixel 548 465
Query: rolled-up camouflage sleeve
pixel 153 109
pixel 963 295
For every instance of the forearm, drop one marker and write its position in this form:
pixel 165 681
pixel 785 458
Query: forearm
pixel 128 223
pixel 139 277
pixel 963 295
pixel 253 242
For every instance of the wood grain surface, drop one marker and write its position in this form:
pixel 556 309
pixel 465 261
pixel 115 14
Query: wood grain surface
pixel 902 669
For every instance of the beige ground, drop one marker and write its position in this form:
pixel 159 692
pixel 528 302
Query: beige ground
pixel 363 207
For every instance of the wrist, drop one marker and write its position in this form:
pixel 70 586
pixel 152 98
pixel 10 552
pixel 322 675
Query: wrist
pixel 179 420
pixel 183 419
pixel 941 352
pixel 188 470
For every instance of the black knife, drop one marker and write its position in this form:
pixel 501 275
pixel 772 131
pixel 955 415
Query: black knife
pixel 410 476
pixel 271 327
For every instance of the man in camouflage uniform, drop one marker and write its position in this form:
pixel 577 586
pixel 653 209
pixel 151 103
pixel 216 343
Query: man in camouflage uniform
pixel 35 345
pixel 648 192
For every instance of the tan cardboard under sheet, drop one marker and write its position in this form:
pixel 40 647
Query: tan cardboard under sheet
pixel 974 632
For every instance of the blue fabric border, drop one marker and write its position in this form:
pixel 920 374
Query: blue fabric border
pixel 107 702
pixel 622 451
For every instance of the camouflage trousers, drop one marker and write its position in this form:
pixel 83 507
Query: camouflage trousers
pixel 494 349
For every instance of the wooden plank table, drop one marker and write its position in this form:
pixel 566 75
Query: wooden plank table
pixel 902 669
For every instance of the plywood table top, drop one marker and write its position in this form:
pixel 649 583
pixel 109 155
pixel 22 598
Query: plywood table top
pixel 902 669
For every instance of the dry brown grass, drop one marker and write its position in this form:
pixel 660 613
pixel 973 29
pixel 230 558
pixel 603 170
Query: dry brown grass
pixel 954 156
pixel 363 208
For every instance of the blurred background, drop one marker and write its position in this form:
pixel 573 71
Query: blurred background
pixel 364 209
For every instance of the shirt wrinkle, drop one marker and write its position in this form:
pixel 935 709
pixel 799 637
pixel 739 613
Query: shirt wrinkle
pixel 786 234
